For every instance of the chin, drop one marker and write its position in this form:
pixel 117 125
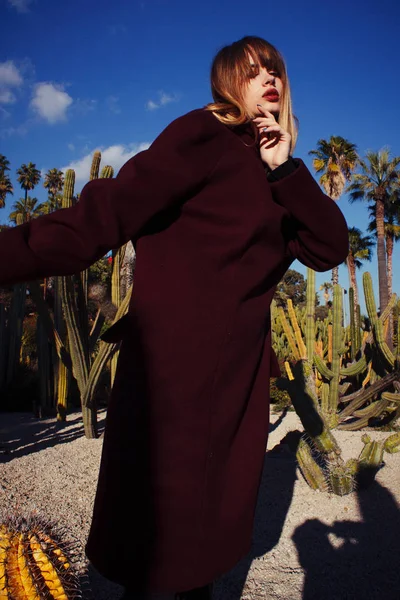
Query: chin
pixel 274 109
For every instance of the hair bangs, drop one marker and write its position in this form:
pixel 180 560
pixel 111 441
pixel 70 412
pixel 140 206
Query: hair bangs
pixel 265 55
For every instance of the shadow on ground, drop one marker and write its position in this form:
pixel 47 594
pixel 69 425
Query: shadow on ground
pixel 22 434
pixel 353 560
pixel 274 499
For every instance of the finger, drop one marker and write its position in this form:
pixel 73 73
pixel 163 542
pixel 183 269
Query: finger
pixel 272 128
pixel 266 143
pixel 265 111
pixel 270 120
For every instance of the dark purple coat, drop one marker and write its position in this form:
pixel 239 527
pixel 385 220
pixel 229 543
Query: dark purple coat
pixel 187 423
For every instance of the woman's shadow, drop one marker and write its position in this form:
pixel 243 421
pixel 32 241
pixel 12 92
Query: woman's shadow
pixel 354 560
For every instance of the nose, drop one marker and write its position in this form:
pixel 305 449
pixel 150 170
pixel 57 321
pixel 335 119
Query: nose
pixel 269 78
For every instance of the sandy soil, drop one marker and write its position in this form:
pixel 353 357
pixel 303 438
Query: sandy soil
pixel 306 545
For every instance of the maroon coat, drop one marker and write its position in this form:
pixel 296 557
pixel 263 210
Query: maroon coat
pixel 187 423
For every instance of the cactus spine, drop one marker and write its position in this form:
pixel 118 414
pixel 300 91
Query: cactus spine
pixel 94 169
pixel 33 565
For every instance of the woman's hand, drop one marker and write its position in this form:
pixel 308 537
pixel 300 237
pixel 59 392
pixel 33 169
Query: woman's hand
pixel 274 141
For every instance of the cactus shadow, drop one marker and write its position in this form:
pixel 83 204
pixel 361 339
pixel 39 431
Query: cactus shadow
pixel 23 434
pixel 353 559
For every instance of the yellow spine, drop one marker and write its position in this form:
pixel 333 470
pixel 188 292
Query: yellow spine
pixel 26 577
pixel 368 376
pixel 54 548
pixel 15 584
pixel 47 570
pixel 299 339
pixel 289 371
pixel 4 546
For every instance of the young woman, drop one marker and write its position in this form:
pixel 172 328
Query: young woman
pixel 217 210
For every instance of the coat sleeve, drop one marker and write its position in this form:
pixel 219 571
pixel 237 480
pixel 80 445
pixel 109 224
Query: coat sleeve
pixel 110 212
pixel 317 231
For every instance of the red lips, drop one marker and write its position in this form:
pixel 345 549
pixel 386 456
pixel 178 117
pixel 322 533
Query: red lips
pixel 271 94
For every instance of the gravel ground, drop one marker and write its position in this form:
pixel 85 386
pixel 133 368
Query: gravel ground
pixel 306 545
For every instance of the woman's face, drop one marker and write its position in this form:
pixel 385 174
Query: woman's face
pixel 265 89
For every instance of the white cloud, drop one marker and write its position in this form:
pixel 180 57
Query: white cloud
pixel 9 74
pixel 71 147
pixel 163 99
pixel 115 156
pixel 167 98
pixel 151 105
pixel 50 102
pixel 112 104
pixel 83 106
pixel 21 6
pixel 6 96
pixel 9 77
pixel 11 131
pixel 4 113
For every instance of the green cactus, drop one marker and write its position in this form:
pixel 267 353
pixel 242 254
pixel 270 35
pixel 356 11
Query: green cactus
pixel 94 169
pixel 107 172
pixel 44 370
pixel 341 480
pixel 376 323
pixel 310 315
pixel 311 471
pixel 76 349
pixel 14 330
pixel 392 443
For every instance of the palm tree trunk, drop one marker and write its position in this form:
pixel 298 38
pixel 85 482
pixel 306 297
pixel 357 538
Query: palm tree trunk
pixel 335 275
pixel 381 253
pixel 26 203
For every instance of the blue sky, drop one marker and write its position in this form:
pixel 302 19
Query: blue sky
pixel 83 75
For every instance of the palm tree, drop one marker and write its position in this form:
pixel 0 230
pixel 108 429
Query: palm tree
pixel 326 287
pixel 5 188
pixel 4 164
pixel 53 182
pixel 28 208
pixel 28 177
pixel 378 184
pixel 360 249
pixel 5 183
pixel 336 159
pixel 392 235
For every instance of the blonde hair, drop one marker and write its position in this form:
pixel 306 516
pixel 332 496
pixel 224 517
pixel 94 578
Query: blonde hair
pixel 230 72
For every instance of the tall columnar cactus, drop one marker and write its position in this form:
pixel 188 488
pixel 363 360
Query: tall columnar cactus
pixel 376 323
pixel 44 370
pixel 336 352
pixel 76 350
pixel 107 172
pixel 310 311
pixel 94 170
pixel 328 344
pixel 61 373
pixel 14 329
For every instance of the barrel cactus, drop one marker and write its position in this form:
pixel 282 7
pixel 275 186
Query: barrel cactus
pixel 34 563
